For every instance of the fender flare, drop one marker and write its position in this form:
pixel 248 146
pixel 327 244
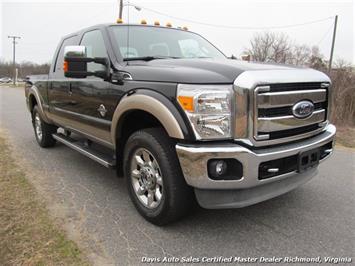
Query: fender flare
pixel 157 105
pixel 33 91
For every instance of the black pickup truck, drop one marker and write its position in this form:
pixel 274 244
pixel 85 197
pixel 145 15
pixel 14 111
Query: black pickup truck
pixel 179 120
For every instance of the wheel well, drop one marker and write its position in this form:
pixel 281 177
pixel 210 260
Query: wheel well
pixel 131 122
pixel 32 102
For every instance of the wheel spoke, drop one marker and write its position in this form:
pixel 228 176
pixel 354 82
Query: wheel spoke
pixel 139 160
pixel 158 195
pixel 159 180
pixel 141 191
pixel 136 174
pixel 150 198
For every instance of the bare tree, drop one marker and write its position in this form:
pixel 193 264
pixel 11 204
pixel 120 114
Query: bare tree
pixel 270 47
pixel 300 55
pixel 278 48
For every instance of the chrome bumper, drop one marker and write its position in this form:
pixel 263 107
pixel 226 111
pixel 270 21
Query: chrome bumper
pixel 193 160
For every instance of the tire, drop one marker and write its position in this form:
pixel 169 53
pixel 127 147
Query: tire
pixel 172 198
pixel 43 131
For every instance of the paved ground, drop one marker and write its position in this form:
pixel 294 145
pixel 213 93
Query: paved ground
pixel 317 219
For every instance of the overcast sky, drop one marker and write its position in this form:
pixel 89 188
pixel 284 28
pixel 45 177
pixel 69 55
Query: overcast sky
pixel 41 24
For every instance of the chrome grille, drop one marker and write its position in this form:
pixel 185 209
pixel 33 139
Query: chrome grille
pixel 273 118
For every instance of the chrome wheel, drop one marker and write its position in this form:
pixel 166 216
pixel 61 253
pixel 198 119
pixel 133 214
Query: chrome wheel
pixel 146 178
pixel 38 127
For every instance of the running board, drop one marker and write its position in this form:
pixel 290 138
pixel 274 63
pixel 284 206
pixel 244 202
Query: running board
pixel 102 158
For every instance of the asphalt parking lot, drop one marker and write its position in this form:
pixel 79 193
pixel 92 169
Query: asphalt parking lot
pixel 317 219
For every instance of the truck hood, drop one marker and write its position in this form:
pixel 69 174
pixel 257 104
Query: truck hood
pixel 201 71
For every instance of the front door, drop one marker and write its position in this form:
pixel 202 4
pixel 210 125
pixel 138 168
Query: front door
pixel 93 100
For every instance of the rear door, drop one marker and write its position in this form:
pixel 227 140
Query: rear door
pixel 59 87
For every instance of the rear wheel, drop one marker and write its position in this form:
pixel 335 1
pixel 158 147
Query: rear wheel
pixel 154 178
pixel 43 131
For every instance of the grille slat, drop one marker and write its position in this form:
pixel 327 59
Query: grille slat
pixel 289 98
pixel 296 86
pixel 283 111
pixel 279 123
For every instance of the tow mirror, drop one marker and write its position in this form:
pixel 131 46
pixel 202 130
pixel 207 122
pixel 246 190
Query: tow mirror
pixel 76 61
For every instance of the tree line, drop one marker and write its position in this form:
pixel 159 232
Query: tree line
pixel 24 69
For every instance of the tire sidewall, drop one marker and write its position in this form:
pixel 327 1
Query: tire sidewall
pixel 47 130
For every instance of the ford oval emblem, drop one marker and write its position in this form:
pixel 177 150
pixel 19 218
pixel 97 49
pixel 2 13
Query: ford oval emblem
pixel 303 109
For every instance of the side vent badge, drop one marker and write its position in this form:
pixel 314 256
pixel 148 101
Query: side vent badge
pixel 102 110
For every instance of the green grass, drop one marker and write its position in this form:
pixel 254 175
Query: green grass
pixel 28 235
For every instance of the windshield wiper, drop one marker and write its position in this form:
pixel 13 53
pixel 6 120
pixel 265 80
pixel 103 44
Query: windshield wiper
pixel 148 58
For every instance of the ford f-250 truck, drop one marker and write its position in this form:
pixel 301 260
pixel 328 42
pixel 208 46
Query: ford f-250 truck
pixel 179 120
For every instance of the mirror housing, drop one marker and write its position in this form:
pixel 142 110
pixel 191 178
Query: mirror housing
pixel 76 60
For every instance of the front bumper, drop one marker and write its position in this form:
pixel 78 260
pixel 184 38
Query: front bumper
pixel 248 189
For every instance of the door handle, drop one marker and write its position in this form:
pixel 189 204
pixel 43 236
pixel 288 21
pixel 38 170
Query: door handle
pixel 70 91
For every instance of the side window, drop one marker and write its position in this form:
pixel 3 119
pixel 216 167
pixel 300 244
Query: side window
pixel 95 46
pixel 60 57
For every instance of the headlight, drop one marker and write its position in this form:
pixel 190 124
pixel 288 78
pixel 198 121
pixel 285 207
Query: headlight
pixel 209 109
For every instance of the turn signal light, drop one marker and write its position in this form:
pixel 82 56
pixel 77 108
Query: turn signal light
pixel 187 103
pixel 65 66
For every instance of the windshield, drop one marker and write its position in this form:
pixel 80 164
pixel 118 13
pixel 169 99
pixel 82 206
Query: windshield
pixel 156 42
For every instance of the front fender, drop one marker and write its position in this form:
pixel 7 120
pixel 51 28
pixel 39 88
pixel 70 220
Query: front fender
pixel 157 105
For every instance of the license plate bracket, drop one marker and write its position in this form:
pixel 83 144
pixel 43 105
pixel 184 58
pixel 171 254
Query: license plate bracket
pixel 308 159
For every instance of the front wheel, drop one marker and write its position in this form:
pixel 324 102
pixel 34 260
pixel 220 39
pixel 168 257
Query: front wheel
pixel 154 178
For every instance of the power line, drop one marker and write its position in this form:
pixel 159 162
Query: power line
pixel 236 27
pixel 325 35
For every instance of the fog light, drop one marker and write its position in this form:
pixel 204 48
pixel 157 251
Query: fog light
pixel 224 169
pixel 217 168
pixel 221 167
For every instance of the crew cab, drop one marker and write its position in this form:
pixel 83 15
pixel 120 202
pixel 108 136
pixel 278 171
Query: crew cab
pixel 181 121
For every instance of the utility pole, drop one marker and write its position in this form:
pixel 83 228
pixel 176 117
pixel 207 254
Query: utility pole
pixel 14 56
pixel 333 43
pixel 121 10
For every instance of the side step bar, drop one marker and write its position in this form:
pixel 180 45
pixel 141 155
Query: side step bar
pixel 102 158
